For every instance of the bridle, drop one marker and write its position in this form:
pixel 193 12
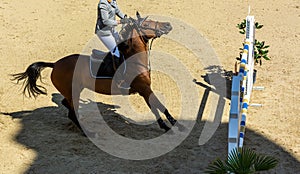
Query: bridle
pixel 157 33
pixel 138 26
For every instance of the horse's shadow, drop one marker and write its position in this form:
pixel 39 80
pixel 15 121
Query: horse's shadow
pixel 61 148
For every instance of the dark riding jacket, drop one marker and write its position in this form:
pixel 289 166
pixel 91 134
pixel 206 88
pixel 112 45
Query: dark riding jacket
pixel 107 17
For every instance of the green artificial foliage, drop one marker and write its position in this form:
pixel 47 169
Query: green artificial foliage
pixel 260 48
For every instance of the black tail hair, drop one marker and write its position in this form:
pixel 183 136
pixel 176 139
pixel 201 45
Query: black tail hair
pixel 30 77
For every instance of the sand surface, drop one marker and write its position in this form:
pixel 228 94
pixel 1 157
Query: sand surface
pixel 37 137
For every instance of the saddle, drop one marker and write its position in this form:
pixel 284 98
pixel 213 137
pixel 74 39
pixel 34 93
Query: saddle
pixel 102 64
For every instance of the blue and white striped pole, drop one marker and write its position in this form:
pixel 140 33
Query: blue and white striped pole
pixel 241 90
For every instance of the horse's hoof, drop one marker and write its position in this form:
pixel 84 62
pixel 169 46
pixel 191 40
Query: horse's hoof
pixel 166 128
pixel 173 121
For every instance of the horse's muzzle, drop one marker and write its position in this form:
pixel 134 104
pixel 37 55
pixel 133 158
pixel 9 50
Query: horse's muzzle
pixel 165 29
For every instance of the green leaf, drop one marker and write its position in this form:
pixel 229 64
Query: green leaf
pixel 265 163
pixel 259 26
pixel 260 48
pixel 217 167
pixel 257 43
pixel 244 161
pixel 266 57
pixel 241 162
pixel 263 52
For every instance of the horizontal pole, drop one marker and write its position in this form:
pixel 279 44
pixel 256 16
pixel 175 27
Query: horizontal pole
pixel 256 105
pixel 258 88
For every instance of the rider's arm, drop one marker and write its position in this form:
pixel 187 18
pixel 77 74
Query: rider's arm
pixel 105 17
pixel 119 12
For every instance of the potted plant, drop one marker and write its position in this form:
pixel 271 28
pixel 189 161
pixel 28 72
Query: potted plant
pixel 244 161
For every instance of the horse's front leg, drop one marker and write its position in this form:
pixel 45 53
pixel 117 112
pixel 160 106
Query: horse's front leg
pixel 160 121
pixel 155 105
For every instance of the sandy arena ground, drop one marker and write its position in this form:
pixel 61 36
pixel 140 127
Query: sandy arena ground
pixel 37 137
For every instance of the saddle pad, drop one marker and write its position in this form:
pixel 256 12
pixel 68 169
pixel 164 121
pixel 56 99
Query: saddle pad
pixel 101 65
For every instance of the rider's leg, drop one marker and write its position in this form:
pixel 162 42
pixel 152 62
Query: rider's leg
pixel 110 42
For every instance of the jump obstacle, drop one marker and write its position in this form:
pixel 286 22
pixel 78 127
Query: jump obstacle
pixel 242 86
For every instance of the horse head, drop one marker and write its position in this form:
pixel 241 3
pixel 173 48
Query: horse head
pixel 135 35
pixel 147 29
pixel 152 29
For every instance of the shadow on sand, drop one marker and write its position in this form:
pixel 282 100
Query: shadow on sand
pixel 61 148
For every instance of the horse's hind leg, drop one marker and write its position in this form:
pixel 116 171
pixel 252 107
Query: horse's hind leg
pixel 72 114
pixel 71 102
pixel 71 94
pixel 65 103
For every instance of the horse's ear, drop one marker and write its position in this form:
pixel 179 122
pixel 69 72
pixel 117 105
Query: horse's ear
pixel 138 15
pixel 141 20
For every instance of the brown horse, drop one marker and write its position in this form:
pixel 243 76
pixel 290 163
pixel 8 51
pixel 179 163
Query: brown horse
pixel 71 74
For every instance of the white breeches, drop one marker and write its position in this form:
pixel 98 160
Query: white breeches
pixel 110 42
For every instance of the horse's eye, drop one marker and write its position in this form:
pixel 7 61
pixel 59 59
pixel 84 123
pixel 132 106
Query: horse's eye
pixel 146 25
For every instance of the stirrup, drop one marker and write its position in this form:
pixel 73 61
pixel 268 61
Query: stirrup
pixel 123 85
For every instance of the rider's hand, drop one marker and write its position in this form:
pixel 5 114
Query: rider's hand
pixel 124 20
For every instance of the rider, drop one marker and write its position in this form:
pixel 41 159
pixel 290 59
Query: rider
pixel 105 30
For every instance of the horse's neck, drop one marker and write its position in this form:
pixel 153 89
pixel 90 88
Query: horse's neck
pixel 138 45
pixel 137 50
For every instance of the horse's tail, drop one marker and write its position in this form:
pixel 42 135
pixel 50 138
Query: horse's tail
pixel 30 77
